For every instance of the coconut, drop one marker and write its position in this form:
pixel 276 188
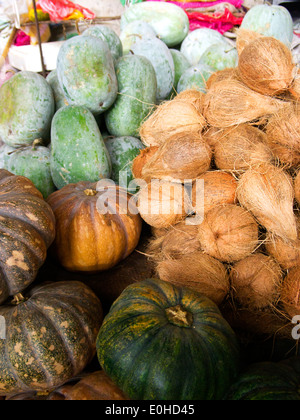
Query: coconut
pixel 241 147
pixel 198 272
pixel 228 233
pixel 287 254
pixel 244 38
pixel 283 135
pixel 221 75
pixel 295 89
pixel 175 242
pixel 266 66
pixel 163 204
pixel 256 281
pixel 290 292
pixel 267 192
pixel 140 161
pixel 170 118
pixel 216 188
pixel 230 103
pixel 182 156
pixel 192 96
pixel 297 187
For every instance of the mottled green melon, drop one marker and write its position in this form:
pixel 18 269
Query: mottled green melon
pixel 169 21
pixel 33 163
pixel 108 35
pixel 181 65
pixel 220 57
pixel 123 151
pixel 85 70
pixel 137 96
pixel 26 109
pixel 5 153
pixel 78 152
pixel 195 78
pixel 133 32
pixel 161 59
pixel 58 93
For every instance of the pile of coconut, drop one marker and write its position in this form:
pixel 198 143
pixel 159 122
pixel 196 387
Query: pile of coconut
pixel 221 187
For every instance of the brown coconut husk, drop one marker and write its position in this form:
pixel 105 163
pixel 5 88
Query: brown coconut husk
pixel 256 281
pixel 229 233
pixel 295 88
pixel 192 96
pixel 287 254
pixel 221 75
pixel 297 188
pixel 176 242
pixel 231 103
pixel 182 156
pixel 199 272
pixel 267 322
pixel 267 192
pixel 174 117
pixel 266 66
pixel 283 135
pixel 163 204
pixel 244 37
pixel 241 147
pixel 140 161
pixel 290 293
pixel 217 188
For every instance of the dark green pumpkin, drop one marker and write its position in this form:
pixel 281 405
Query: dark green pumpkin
pixel 268 382
pixel 50 337
pixel 161 342
pixel 27 229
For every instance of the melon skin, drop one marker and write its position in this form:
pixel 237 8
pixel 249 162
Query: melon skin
pixel 86 73
pixel 78 152
pixel 26 109
pixel 109 36
pixel 58 93
pixel 137 96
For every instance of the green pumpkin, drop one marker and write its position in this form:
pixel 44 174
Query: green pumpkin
pixel 123 151
pixel 161 342
pixel 78 152
pixel 26 109
pixel 33 163
pixel 268 382
pixel 50 336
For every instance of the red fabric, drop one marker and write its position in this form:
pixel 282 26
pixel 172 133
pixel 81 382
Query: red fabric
pixel 62 9
pixel 221 22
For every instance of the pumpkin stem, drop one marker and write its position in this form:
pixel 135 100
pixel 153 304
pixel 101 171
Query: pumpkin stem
pixel 90 193
pixel 179 316
pixel 18 299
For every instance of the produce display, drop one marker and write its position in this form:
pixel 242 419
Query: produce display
pixel 149 213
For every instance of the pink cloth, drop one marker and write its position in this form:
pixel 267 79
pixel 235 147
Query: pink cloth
pixel 22 39
pixel 62 9
pixel 195 5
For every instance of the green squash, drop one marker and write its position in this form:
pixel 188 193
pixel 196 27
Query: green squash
pixel 195 78
pixel 220 57
pixel 109 36
pixel 169 21
pixel 136 99
pixel 33 163
pixel 85 70
pixel 58 93
pixel 78 152
pixel 162 61
pixel 123 151
pixel 268 382
pixel 50 336
pixel 161 342
pixel 133 32
pixel 270 20
pixel 5 154
pixel 26 109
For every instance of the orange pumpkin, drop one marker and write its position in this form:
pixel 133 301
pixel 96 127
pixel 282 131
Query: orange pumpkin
pixel 97 226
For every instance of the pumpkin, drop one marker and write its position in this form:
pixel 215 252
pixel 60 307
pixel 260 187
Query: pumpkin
pixel 97 226
pixel 50 336
pixel 27 229
pixel 268 382
pixel 162 342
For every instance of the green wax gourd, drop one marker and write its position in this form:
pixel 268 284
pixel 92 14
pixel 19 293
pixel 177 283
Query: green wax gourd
pixel 78 152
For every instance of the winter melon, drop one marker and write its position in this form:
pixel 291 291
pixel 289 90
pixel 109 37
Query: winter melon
pixel 109 36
